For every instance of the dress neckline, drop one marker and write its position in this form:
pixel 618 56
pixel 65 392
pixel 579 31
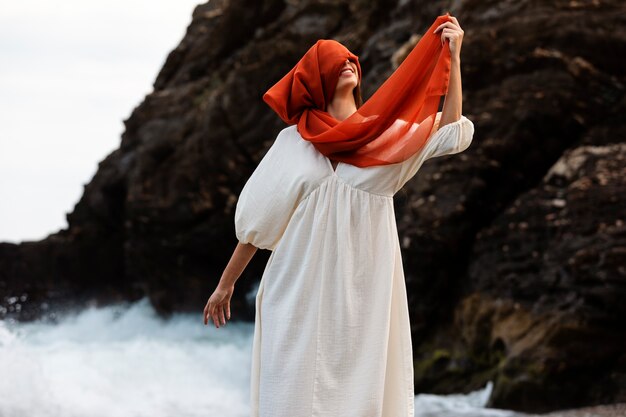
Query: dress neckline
pixel 330 164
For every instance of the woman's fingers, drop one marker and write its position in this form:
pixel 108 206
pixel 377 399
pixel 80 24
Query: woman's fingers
pixel 445 28
pixel 450 25
pixel 218 307
pixel 455 33
pixel 221 311
pixel 216 311
pixel 207 313
pixel 215 316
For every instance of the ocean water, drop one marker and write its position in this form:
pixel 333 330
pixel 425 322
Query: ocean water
pixel 125 361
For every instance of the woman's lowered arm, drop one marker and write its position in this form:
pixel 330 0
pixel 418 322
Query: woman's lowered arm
pixel 238 262
pixel 220 299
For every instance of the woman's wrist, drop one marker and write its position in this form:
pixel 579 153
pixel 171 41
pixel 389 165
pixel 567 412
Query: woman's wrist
pixel 226 283
pixel 228 278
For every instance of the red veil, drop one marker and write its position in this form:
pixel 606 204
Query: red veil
pixel 390 126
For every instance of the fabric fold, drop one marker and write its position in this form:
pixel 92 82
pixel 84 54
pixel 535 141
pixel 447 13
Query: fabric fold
pixel 403 107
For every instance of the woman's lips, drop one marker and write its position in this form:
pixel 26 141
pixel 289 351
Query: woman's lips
pixel 346 71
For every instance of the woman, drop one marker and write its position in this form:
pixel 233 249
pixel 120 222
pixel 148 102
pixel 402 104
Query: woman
pixel 332 334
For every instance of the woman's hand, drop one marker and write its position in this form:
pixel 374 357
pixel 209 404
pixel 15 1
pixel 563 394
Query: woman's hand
pixel 217 303
pixel 452 30
pixel 220 299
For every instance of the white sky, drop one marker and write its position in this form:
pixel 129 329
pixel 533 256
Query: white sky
pixel 70 72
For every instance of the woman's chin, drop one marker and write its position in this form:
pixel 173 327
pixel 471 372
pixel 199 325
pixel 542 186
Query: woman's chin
pixel 350 83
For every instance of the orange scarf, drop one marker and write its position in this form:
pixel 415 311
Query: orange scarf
pixel 393 124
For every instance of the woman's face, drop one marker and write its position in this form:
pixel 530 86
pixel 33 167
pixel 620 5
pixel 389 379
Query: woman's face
pixel 348 77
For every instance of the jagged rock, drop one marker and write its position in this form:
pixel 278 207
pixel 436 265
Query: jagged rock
pixel 557 254
pixel 539 79
pixel 543 314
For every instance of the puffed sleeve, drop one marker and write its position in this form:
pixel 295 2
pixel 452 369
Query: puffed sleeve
pixel 268 199
pixel 451 138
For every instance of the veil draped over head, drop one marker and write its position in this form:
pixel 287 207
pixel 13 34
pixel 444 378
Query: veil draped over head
pixel 390 126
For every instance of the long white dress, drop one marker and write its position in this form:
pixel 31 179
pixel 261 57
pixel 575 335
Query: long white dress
pixel 332 335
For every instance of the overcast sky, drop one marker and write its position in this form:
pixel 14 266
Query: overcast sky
pixel 70 72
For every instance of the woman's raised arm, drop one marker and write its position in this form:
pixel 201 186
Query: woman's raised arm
pixel 453 100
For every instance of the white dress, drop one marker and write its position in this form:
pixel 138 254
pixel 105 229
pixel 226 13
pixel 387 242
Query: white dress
pixel 332 335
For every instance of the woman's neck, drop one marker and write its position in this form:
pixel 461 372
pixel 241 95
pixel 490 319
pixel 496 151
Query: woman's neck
pixel 342 106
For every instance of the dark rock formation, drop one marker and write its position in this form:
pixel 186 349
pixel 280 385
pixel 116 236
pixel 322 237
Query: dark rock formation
pixel 542 311
pixel 513 250
pixel 551 274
